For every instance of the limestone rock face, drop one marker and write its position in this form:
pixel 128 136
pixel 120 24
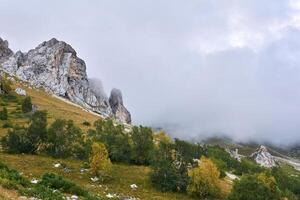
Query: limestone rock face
pixel 20 91
pixel 118 109
pixel 55 67
pixel 263 157
pixel 5 52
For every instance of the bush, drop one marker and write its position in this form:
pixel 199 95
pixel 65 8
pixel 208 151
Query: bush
pixel 285 181
pixel 11 179
pixel 247 167
pixel 5 85
pixel 204 180
pixel 54 181
pixel 27 105
pixel 7 125
pixel 86 123
pixel 254 187
pixel 17 141
pixel 3 114
pixel 27 140
pixel 42 192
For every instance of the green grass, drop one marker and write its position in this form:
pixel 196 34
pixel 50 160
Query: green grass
pixel 122 176
pixel 34 166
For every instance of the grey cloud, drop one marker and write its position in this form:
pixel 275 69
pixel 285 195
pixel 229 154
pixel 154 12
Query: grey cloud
pixel 196 67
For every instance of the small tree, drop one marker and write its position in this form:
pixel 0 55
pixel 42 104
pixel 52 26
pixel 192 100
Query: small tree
pixel 27 105
pixel 204 180
pixel 99 162
pixel 37 130
pixel 143 145
pixel 16 141
pixel 169 171
pixel 64 139
pixel 4 114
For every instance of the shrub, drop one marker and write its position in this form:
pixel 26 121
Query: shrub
pixel 285 181
pixel 7 125
pixel 11 179
pixel 253 187
pixel 3 114
pixel 204 180
pixel 99 162
pixel 27 140
pixel 26 105
pixel 42 192
pixel 5 85
pixel 17 141
pixel 86 123
pixel 247 167
pixel 54 181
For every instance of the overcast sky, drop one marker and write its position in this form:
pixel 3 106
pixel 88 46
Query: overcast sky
pixel 199 67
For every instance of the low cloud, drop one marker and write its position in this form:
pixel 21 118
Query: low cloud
pixel 196 68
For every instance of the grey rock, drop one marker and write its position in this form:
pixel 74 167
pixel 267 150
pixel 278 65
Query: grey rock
pixel 5 52
pixel 20 91
pixel 118 109
pixel 55 67
pixel 263 157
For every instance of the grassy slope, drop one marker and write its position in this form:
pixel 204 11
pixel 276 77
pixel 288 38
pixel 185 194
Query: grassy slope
pixel 34 166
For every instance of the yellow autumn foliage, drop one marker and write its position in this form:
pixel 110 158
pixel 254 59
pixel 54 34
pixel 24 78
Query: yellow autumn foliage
pixel 99 161
pixel 204 180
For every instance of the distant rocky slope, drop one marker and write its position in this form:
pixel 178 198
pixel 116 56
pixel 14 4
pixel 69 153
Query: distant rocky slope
pixel 54 66
pixel 263 157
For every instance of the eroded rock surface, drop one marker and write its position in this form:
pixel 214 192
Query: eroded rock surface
pixel 118 109
pixel 55 67
pixel 263 157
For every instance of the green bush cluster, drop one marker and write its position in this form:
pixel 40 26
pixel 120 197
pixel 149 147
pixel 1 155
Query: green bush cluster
pixel 11 179
pixel 3 114
pixel 57 182
pixel 26 105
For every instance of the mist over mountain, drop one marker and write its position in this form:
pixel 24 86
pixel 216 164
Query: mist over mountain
pixel 197 68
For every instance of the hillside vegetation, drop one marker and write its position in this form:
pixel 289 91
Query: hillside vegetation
pixel 62 150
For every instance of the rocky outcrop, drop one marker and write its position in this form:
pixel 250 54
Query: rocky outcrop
pixel 55 67
pixel 5 52
pixel 235 154
pixel 118 109
pixel 20 91
pixel 263 157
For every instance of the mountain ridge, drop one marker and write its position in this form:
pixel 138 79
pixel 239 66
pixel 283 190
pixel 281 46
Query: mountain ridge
pixel 54 66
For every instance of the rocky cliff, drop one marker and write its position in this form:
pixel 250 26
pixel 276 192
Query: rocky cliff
pixel 55 67
pixel 263 157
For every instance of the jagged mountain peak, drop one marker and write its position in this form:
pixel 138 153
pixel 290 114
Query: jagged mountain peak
pixel 5 51
pixel 118 109
pixel 54 66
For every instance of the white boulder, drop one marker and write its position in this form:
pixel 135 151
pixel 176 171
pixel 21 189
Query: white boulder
pixel 20 91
